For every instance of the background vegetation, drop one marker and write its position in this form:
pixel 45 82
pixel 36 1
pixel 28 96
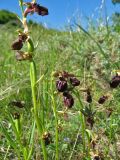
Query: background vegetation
pixel 93 56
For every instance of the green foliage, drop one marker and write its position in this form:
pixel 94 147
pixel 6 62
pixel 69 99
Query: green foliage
pixel 116 17
pixel 78 53
pixel 115 1
pixel 6 16
pixel 116 21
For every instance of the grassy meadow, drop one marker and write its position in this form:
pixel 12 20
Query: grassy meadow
pixel 88 130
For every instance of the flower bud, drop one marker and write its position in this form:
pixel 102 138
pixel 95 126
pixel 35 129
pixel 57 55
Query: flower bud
pixel 74 81
pixel 96 157
pixel 90 121
pixel 41 10
pixel 66 74
pixel 16 115
pixel 55 74
pixel 89 97
pixel 47 138
pixel 19 104
pixel 109 112
pixel 68 100
pixel 61 85
pixel 102 99
pixel 115 81
pixel 17 44
pixel 30 45
pixel 20 56
pixel 23 37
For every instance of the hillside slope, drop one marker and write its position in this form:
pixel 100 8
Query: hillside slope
pixel 93 56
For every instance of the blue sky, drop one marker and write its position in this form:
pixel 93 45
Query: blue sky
pixel 63 11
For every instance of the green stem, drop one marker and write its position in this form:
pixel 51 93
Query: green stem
pixel 19 136
pixel 33 78
pixel 21 6
pixel 56 123
pixel 34 1
pixel 56 129
pixel 81 116
pixel 74 144
pixel 83 130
